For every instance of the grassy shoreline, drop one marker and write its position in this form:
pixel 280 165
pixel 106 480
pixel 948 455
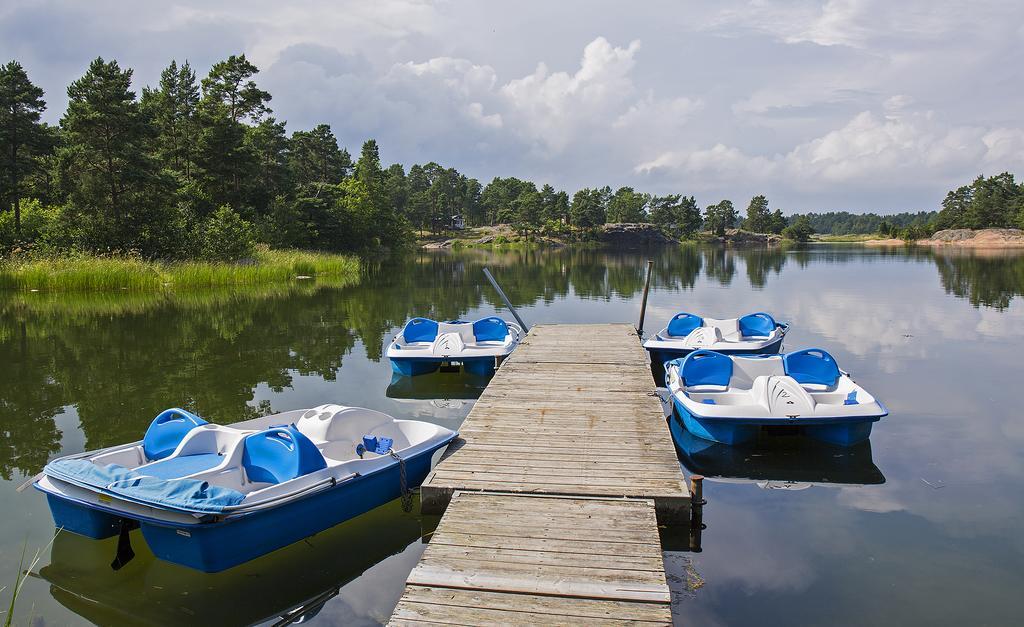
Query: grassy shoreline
pixel 92 273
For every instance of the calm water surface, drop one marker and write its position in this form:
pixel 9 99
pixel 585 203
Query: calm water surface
pixel 925 525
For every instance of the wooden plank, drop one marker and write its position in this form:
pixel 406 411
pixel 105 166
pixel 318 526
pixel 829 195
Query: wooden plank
pixel 542 609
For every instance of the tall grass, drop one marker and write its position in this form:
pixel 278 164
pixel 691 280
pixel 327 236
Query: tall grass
pixel 88 273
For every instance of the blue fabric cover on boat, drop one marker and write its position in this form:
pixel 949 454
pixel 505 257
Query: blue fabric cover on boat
pixel 174 467
pixel 166 432
pixel 84 472
pixel 811 365
pixel 491 329
pixel 706 367
pixel 757 325
pixel 682 324
pixel 420 330
pixel 280 454
pixel 186 494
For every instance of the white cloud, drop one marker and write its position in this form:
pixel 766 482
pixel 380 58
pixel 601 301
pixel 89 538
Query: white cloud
pixel 861 104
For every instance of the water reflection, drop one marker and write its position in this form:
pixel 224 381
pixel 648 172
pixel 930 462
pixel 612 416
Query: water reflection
pixel 290 583
pixel 781 461
pixel 437 386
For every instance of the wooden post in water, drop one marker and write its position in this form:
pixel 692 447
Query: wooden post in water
pixel 696 511
pixel 643 302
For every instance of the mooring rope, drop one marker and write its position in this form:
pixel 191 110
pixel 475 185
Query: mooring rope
pixel 403 482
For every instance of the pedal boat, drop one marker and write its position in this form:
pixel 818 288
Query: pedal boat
pixel 478 347
pixel 729 398
pixel 211 496
pixel 753 334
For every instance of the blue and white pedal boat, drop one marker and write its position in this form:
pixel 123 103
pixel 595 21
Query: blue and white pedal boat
pixel 756 333
pixel 729 398
pixel 478 347
pixel 212 496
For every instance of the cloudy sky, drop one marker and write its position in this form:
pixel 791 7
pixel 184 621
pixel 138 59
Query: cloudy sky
pixel 863 105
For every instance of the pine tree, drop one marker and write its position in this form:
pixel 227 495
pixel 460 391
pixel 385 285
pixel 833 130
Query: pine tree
pixel 758 216
pixel 22 137
pixel 106 170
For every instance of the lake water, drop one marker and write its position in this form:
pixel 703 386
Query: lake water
pixel 923 526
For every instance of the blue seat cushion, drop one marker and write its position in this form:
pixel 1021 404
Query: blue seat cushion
pixel 812 365
pixel 757 325
pixel 682 324
pixel 420 330
pixel 491 329
pixel 280 454
pixel 706 367
pixel 185 465
pixel 167 431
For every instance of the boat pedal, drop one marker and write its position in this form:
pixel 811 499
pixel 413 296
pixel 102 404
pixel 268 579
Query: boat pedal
pixel 124 553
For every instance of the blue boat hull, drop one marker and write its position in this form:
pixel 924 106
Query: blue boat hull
pixel 215 546
pixel 483 366
pixel 733 431
pixel 661 355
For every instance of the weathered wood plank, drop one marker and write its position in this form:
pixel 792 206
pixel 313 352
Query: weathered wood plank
pixel 550 607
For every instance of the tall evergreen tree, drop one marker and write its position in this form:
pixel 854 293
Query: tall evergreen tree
pixel 314 157
pixel 758 216
pixel 628 205
pixel 719 217
pixel 22 137
pixel 107 173
pixel 230 98
pixel 172 108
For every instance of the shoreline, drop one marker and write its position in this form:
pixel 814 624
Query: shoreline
pixel 88 273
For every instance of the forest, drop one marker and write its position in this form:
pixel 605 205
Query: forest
pixel 201 169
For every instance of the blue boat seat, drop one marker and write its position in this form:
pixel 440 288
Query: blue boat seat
pixel 682 324
pixel 167 431
pixel 757 325
pixel 420 330
pixel 491 329
pixel 704 367
pixel 813 366
pixel 280 454
pixel 176 467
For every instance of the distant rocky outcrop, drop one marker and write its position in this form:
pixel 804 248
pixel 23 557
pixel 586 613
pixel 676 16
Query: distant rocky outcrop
pixel 634 235
pixel 982 238
pixel 739 237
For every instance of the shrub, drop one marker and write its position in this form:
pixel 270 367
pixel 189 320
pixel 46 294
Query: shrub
pixel 226 236
pixel 800 231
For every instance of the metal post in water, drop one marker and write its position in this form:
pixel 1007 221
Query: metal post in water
pixel 508 303
pixel 643 303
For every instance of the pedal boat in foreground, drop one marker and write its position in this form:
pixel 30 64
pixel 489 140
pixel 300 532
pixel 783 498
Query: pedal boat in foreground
pixel 211 496
pixel 756 333
pixel 729 398
pixel 478 347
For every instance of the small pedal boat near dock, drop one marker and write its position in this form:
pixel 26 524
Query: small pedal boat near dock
pixel 729 398
pixel 756 333
pixel 211 496
pixel 478 347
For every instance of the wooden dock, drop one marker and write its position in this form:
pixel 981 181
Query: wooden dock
pixel 552 497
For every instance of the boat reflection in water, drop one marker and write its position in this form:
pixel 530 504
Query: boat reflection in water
pixel 791 462
pixel 287 586
pixel 442 389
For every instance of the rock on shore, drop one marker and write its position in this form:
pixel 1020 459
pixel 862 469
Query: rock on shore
pixel 982 238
